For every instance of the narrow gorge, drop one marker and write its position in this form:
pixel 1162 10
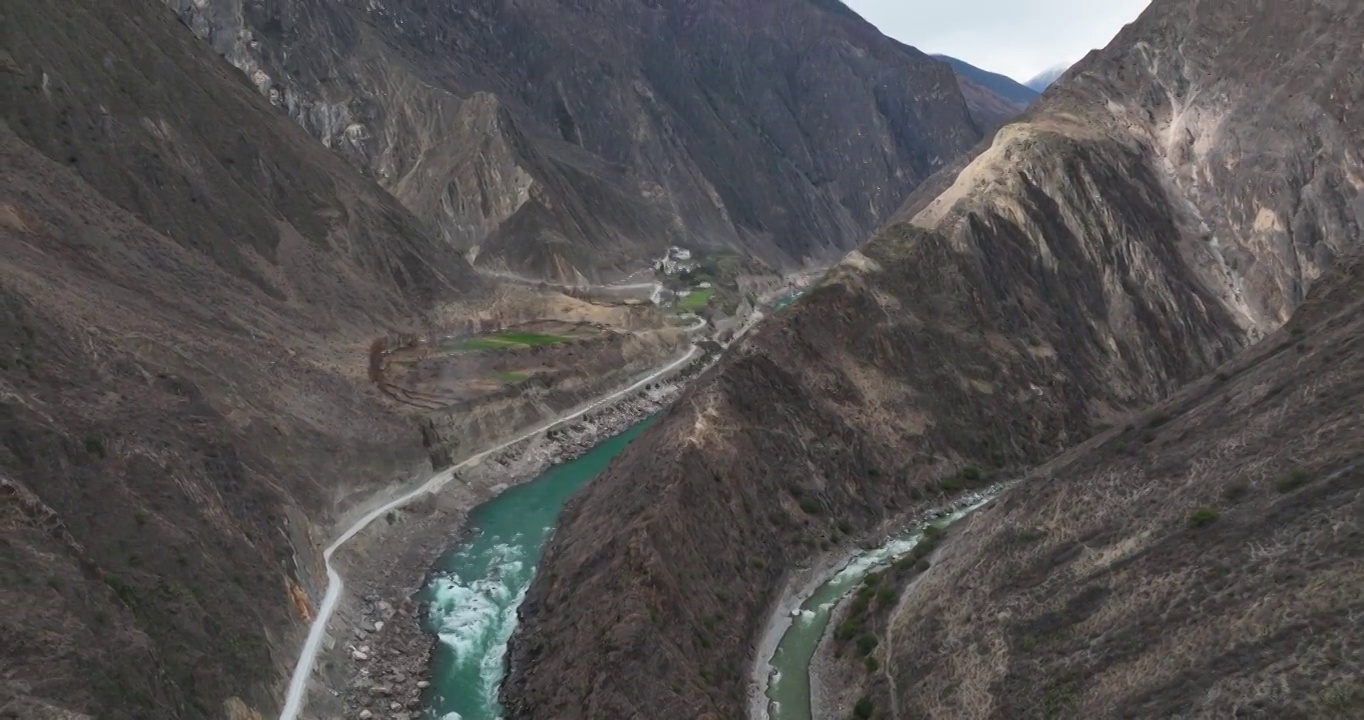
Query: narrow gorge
pixel 678 359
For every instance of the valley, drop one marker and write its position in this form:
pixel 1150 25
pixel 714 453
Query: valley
pixel 676 359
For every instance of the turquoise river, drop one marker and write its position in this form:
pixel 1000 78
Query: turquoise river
pixel 479 584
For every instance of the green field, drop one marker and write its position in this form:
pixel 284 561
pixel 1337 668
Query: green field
pixel 696 300
pixel 504 340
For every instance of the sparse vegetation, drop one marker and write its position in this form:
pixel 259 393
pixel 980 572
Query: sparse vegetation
pixel 809 506
pixel 511 376
pixel 1236 491
pixel 1293 480
pixel 863 709
pixel 1202 517
pixel 94 444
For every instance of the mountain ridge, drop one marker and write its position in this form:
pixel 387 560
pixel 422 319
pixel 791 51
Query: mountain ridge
pixel 1019 94
pixel 613 131
pixel 1125 237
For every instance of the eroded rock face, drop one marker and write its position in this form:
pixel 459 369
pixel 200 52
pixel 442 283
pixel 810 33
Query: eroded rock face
pixel 578 140
pixel 1141 225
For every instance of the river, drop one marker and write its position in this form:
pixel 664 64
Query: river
pixel 788 687
pixel 474 595
pixel 481 582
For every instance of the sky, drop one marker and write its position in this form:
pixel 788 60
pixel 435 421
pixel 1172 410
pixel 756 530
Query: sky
pixel 1019 38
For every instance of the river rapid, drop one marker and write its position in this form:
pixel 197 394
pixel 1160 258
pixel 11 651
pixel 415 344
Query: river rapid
pixel 478 585
pixel 473 596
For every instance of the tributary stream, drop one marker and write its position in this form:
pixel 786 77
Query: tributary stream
pixel 788 686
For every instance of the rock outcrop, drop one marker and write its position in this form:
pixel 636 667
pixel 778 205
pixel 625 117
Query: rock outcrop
pixel 572 141
pixel 1171 203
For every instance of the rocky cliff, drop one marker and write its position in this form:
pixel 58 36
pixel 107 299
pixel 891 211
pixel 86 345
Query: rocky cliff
pixel 575 141
pixel 1166 207
pixel 188 284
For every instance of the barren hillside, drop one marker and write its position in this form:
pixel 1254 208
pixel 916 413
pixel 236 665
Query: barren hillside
pixel 187 288
pixel 1168 206
pixel 570 140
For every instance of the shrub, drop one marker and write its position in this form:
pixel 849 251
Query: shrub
pixel 866 643
pixel 845 527
pixel 1236 491
pixel 863 709
pixel 1293 480
pixel 849 628
pixel 809 505
pixel 972 474
pixel 872 663
pixel 1202 517
pixel 886 596
pixel 94 444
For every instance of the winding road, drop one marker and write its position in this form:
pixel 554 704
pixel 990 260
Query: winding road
pixel 307 659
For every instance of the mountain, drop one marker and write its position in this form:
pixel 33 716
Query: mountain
pixel 576 141
pixel 187 282
pixel 1180 197
pixel 1005 87
pixel 1044 79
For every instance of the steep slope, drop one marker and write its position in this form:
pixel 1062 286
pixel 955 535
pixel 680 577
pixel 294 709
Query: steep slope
pixel 188 284
pixel 1140 226
pixel 1192 563
pixel 576 141
pixel 1020 95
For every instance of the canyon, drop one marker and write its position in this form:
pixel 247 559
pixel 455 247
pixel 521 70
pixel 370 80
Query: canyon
pixel 239 308
pixel 296 290
pixel 1171 203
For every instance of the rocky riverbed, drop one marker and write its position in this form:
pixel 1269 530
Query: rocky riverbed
pixel 382 653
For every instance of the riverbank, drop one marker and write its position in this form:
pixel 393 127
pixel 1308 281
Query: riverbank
pixel 826 677
pixel 381 652
pixel 377 652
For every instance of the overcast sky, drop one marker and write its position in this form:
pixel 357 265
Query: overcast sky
pixel 1019 38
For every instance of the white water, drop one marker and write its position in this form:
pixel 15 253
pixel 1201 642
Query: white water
pixel 307 660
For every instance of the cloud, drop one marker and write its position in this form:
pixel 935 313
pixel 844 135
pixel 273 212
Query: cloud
pixel 1019 38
